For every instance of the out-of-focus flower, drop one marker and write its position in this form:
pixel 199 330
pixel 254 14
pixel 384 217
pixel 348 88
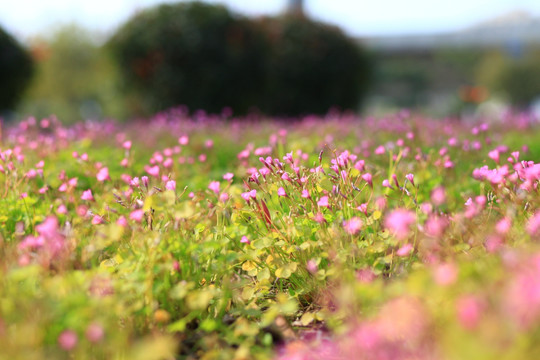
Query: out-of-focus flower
pixel 87 195
pixel 353 225
pixel 399 222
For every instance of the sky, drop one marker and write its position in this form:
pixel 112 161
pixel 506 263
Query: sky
pixel 28 18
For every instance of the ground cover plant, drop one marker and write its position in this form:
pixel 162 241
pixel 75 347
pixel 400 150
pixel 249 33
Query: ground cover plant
pixel 195 236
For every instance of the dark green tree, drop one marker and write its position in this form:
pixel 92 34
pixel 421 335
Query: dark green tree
pixel 312 67
pixel 16 69
pixel 191 53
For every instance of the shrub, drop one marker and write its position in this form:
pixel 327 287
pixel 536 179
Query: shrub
pixel 75 79
pixel 203 56
pixel 16 68
pixel 312 67
pixel 190 53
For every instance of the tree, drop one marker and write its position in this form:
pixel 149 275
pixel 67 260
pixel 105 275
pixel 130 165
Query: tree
pixel 16 69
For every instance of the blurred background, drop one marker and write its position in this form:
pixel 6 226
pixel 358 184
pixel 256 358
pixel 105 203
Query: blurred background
pixel 82 59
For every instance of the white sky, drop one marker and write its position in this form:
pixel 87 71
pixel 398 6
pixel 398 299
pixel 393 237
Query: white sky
pixel 25 18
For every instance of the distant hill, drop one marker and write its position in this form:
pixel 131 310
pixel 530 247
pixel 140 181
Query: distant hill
pixel 512 31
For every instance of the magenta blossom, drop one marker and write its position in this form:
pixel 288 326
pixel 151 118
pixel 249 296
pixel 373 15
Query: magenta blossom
pixel 405 250
pixel 245 240
pixel 323 202
pixel 137 215
pixel 170 185
pixel 153 170
pixel 68 340
pixel 353 225
pixel 368 178
pixel 399 222
pixel 103 174
pixel 94 333
pixel 87 195
pixel 214 186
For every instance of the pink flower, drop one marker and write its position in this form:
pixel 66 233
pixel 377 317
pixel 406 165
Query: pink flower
pixel 153 171
pixel 494 155
pixel 137 215
pixel 228 176
pixel 49 227
pixel 281 192
pixel 353 225
pixel 144 180
pixel 445 274
pixel 365 275
pixel 31 174
pixel 323 202
pixel 503 226
pixel 135 182
pixel 170 185
pixel 386 184
pixel 363 208
pixel 94 333
pixel 183 140
pixel 223 197
pixel 469 310
pixel 405 250
pixel 61 209
pixel 124 162
pixel 305 194
pixel 122 221
pixel 81 210
pixel 103 174
pixel 214 186
pixel 380 150
pixel 96 220
pixel 360 165
pixel 533 225
pixel 435 226
pixel 87 195
pixel 410 177
pixel 245 196
pixel 381 203
pixel 68 340
pixel 399 222
pixel 438 196
pixel 245 240
pixel 368 178
pixel 127 145
pixel 493 243
pixel 43 190
pixel 311 266
pixel 319 218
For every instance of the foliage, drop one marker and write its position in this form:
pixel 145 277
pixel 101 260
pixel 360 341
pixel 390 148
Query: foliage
pixel 205 57
pixel 75 79
pixel 519 80
pixel 312 67
pixel 16 69
pixel 191 53
pixel 181 237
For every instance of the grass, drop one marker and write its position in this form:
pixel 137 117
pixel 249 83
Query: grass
pixel 305 253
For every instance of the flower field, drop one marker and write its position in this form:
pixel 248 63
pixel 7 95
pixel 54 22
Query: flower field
pixel 187 237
